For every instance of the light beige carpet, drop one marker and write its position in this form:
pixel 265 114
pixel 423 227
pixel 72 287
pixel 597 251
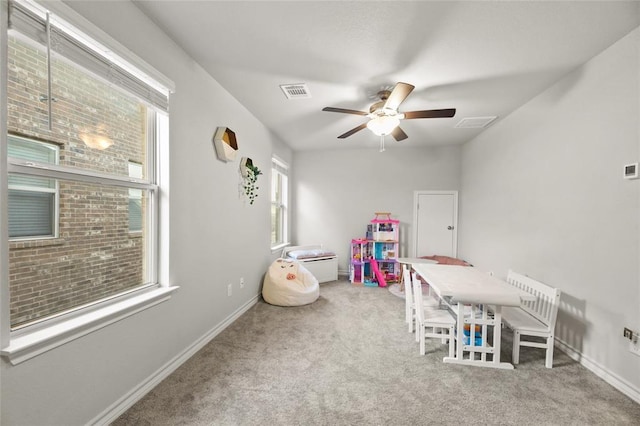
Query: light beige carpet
pixel 348 359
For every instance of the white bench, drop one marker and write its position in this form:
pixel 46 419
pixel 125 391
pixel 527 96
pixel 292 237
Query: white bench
pixel 323 264
pixel 533 318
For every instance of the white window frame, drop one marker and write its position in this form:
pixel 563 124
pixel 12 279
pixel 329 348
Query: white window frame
pixel 280 167
pixel 24 344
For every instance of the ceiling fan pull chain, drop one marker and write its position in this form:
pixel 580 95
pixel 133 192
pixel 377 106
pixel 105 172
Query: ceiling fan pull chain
pixel 382 143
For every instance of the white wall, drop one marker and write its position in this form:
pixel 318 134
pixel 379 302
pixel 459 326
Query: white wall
pixel 215 239
pixel 543 194
pixel 337 192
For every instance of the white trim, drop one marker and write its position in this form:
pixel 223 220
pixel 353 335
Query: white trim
pixel 5 318
pixel 52 171
pixel 599 370
pixel 30 344
pixel 414 237
pixel 279 247
pixel 118 408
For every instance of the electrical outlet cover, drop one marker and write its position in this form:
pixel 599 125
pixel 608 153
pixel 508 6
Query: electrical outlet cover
pixel 634 348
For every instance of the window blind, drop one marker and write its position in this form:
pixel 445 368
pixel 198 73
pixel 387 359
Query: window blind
pixel 31 24
pixel 30 213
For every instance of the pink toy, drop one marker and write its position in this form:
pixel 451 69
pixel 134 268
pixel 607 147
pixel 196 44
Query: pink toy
pixel 379 276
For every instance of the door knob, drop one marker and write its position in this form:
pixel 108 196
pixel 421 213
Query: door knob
pixel 450 227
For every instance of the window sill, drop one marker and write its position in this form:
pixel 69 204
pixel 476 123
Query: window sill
pixel 30 344
pixel 35 243
pixel 279 247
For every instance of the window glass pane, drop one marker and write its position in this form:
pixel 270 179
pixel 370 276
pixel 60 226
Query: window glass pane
pixel 95 256
pixel 135 200
pixel 135 214
pixel 98 126
pixel 32 150
pixel 17 181
pixel 275 186
pixel 278 203
pixel 31 213
pixel 276 221
pixel 41 152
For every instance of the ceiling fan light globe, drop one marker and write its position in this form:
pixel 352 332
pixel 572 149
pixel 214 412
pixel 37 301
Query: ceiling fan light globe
pixel 383 125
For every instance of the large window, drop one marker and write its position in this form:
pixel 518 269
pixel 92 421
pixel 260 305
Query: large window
pixel 82 158
pixel 279 203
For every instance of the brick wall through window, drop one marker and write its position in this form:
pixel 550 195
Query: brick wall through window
pixel 94 254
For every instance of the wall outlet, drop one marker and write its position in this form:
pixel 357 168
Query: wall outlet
pixel 241 282
pixel 634 342
pixel 634 347
pixel 229 290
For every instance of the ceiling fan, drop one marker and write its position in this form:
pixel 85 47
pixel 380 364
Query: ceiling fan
pixel 384 115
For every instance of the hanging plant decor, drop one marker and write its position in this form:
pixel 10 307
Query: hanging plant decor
pixel 250 175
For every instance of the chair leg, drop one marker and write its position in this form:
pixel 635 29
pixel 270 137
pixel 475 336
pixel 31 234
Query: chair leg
pixel 422 340
pixel 418 328
pixel 410 321
pixel 549 359
pixel 516 347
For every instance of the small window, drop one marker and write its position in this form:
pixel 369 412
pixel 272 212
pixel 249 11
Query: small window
pixel 279 203
pixel 33 201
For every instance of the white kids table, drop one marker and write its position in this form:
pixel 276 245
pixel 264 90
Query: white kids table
pixel 477 299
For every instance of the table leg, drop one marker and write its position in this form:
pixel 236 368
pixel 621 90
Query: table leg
pixel 497 333
pixel 460 332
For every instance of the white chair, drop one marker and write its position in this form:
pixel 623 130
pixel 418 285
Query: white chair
pixel 409 303
pixel 431 321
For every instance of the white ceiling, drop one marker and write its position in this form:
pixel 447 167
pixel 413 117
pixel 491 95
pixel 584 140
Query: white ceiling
pixel 483 58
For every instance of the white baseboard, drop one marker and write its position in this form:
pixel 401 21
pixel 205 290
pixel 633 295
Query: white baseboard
pixel 123 404
pixel 613 379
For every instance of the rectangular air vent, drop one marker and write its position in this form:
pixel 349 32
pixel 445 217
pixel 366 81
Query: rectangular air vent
pixel 475 122
pixel 296 91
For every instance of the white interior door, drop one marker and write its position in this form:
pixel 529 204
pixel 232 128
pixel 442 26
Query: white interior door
pixel 435 223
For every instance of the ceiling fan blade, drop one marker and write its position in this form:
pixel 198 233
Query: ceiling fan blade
pixel 352 131
pixel 430 113
pixel 398 95
pixel 399 134
pixel 345 111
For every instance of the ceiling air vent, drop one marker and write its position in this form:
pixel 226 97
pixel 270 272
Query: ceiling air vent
pixel 475 122
pixel 296 91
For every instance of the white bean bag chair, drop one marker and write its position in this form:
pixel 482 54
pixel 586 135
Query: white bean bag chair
pixel 288 283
